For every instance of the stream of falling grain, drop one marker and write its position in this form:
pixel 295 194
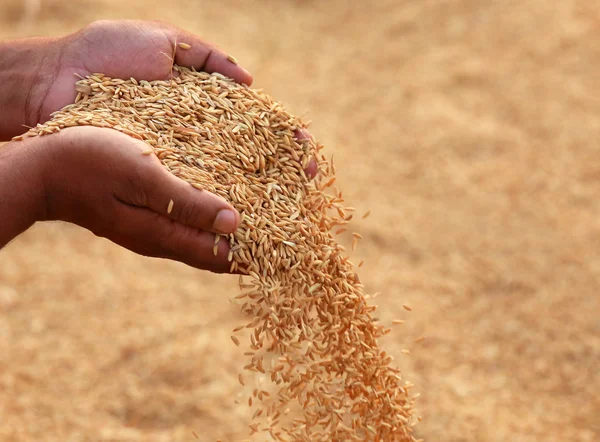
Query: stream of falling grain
pixel 319 372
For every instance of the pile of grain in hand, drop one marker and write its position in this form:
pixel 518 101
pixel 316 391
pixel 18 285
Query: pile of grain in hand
pixel 317 369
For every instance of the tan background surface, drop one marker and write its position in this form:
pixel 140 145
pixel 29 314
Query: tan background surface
pixel 471 128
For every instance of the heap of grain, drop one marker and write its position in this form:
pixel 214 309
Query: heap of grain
pixel 311 329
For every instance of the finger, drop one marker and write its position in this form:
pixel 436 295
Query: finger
pixel 206 57
pixel 148 233
pixel 141 180
pixel 312 169
pixel 178 200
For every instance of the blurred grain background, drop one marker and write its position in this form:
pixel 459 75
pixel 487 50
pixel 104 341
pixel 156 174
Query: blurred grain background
pixel 470 128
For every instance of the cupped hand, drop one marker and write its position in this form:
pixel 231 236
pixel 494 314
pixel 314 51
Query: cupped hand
pixel 144 50
pixel 100 180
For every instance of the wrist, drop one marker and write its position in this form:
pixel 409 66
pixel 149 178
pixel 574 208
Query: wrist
pixel 22 189
pixel 27 70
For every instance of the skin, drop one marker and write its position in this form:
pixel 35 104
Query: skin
pixel 98 178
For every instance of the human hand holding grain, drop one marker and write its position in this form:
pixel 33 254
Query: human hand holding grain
pixel 104 181
pixel 37 78
pixel 39 74
pixel 143 50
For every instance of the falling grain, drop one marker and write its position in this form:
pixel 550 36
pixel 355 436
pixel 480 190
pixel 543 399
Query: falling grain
pixel 300 288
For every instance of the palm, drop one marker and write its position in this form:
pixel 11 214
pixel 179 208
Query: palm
pixel 125 49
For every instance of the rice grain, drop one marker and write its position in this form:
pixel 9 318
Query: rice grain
pixel 312 331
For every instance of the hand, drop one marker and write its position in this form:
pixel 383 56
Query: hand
pixel 99 179
pixel 38 75
pixel 123 49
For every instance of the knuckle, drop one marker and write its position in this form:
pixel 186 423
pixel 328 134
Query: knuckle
pixel 133 184
pixel 163 27
pixel 161 23
pixel 173 239
pixel 188 213
pixel 96 26
pixel 133 193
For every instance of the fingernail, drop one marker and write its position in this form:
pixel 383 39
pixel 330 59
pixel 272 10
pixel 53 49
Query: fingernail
pixel 303 134
pixel 312 169
pixel 225 221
